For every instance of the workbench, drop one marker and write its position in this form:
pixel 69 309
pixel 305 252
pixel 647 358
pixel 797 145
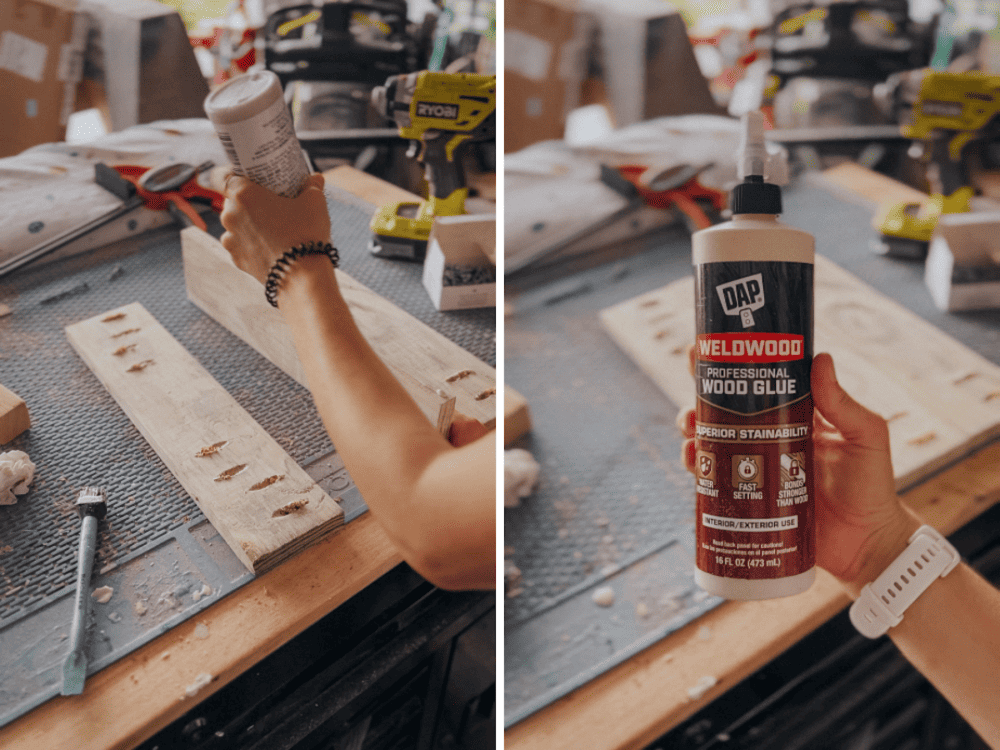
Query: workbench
pixel 348 599
pixel 637 702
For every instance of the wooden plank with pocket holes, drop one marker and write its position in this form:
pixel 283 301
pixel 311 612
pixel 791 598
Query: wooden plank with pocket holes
pixel 941 399
pixel 424 361
pixel 262 503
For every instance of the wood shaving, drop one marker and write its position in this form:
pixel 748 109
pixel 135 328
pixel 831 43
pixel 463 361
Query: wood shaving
pixel 603 596
pixel 199 682
pixel 991 396
pixel 103 594
pixel 459 376
pixel 267 482
pixel 139 366
pixel 230 473
pixel 649 303
pixel 210 450
pixel 123 350
pixel 966 378
pixel 661 334
pixel 113 317
pixel 704 684
pixel 897 415
pixel 292 507
pixel 923 439
pixel 126 332
pixel 485 394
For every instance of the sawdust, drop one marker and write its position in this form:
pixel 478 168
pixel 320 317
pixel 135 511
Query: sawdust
pixel 113 317
pixel 459 375
pixel 292 507
pixel 140 366
pixel 211 450
pixel 267 483
pixel 126 332
pixel 486 394
pixel 122 350
pixel 230 473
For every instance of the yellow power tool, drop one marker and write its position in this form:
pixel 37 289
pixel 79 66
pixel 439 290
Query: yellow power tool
pixel 440 113
pixel 950 111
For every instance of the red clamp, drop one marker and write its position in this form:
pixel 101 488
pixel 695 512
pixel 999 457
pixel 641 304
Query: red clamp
pixel 684 196
pixel 179 197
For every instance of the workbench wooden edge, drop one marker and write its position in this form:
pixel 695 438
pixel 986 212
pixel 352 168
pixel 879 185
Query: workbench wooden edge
pixel 132 699
pixel 633 704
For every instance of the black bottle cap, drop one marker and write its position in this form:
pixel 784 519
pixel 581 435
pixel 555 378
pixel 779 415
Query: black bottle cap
pixel 754 196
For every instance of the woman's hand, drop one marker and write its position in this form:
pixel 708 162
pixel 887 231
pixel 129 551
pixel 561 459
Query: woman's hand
pixel 261 226
pixel 861 526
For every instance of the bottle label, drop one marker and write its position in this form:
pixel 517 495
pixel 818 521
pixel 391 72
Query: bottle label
pixel 753 430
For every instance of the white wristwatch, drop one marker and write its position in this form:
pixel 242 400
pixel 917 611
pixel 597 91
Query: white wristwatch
pixel 928 557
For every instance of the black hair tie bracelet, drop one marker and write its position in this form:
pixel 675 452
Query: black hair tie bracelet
pixel 282 264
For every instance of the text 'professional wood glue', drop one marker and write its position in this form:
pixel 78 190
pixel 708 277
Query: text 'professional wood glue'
pixel 753 355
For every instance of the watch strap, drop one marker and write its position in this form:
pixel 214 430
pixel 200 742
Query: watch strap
pixel 880 606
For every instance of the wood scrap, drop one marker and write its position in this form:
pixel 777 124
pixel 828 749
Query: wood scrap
pixel 179 422
pixel 516 416
pixel 14 417
pixel 418 356
pixel 889 359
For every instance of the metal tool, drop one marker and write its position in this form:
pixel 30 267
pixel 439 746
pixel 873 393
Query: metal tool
pixel 91 505
pixel 440 113
pixel 165 180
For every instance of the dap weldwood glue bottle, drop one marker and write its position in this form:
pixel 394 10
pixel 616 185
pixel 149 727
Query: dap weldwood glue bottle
pixel 753 436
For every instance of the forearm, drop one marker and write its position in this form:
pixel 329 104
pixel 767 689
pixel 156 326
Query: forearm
pixel 431 501
pixel 951 633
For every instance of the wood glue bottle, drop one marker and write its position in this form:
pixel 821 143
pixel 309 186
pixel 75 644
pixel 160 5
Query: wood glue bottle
pixel 255 127
pixel 755 531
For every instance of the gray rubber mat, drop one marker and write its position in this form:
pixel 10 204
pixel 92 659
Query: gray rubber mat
pixel 614 507
pixel 156 550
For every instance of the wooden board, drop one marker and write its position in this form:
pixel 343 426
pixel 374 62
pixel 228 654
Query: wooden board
pixel 873 187
pixel 516 416
pixel 14 418
pixel 419 357
pixel 181 410
pixel 942 400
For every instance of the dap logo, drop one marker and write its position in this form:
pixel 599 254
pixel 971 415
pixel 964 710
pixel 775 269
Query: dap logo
pixel 742 296
pixel 437 109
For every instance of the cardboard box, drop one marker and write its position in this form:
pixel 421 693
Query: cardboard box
pixel 647 62
pixel 633 56
pixel 41 60
pixel 462 249
pixel 963 263
pixel 546 45
pixel 141 55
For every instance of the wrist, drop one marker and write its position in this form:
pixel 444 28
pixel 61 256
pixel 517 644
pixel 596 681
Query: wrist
pixel 301 263
pixel 880 549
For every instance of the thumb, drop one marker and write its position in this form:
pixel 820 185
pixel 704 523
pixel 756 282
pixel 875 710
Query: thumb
pixel 856 423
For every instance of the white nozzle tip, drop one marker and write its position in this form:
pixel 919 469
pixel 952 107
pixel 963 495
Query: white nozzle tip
pixel 753 126
pixel 752 155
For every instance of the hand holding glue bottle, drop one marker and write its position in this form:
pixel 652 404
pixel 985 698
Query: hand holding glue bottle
pixel 255 127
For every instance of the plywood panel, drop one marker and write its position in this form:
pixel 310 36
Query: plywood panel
pixel 941 399
pixel 261 502
pixel 423 360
